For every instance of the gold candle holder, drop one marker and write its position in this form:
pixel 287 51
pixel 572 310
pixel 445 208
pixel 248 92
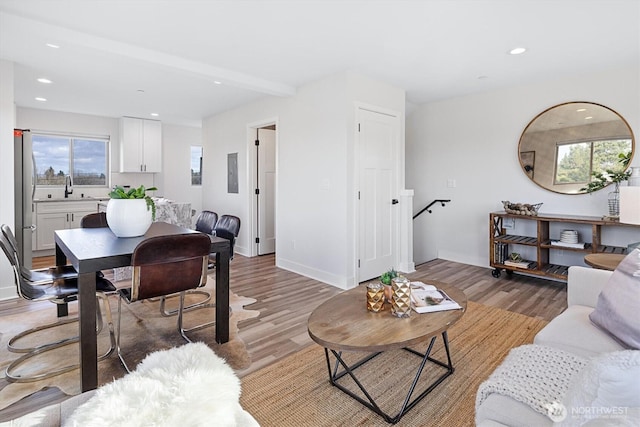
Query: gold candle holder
pixel 401 299
pixel 375 297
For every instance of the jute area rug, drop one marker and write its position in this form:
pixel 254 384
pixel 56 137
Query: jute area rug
pixel 143 330
pixel 296 390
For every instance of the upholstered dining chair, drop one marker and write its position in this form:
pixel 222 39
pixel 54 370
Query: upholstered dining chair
pixel 165 265
pixel 94 220
pixel 35 276
pixel 228 227
pixel 58 291
pixel 205 223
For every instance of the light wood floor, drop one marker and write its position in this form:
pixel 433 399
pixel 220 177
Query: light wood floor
pixel 286 299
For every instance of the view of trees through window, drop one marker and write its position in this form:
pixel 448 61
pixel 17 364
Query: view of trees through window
pixel 196 165
pixel 84 159
pixel 577 161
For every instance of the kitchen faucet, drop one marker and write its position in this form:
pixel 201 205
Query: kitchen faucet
pixel 67 186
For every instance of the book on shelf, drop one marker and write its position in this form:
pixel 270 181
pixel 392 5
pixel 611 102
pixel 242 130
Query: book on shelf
pixel 568 245
pixel 428 299
pixel 500 252
pixel 519 264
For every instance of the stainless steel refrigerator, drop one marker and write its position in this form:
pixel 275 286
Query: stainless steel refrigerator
pixel 25 188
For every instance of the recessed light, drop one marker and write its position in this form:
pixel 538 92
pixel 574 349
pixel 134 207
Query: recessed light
pixel 580 110
pixel 53 46
pixel 38 98
pixel 43 80
pixel 588 118
pixel 217 82
pixel 517 51
pixel 155 114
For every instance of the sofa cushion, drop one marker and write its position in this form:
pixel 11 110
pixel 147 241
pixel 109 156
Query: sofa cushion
pixel 607 389
pixel 619 302
pixel 507 411
pixel 572 331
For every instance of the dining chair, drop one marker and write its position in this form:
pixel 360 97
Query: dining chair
pixel 205 223
pixel 57 291
pixel 165 265
pixel 36 276
pixel 227 227
pixel 94 220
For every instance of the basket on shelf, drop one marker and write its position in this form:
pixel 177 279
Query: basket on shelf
pixel 521 208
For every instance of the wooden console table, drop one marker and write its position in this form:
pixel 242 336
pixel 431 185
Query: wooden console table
pixel 546 226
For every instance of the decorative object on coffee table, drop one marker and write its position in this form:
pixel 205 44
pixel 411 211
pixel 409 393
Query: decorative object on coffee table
pixel 386 279
pixel 375 297
pixel 401 299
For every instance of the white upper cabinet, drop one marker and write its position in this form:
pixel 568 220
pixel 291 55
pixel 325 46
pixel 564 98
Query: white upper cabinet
pixel 140 145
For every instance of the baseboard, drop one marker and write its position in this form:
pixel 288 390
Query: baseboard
pixel 322 276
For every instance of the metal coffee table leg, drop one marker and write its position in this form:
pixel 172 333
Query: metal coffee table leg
pixel 335 374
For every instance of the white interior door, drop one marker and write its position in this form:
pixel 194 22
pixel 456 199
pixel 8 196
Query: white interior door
pixel 266 172
pixel 377 143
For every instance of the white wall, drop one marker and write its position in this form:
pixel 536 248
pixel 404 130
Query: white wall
pixel 175 179
pixel 7 124
pixel 315 146
pixel 473 140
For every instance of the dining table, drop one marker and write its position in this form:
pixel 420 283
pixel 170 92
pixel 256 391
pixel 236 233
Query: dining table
pixel 90 250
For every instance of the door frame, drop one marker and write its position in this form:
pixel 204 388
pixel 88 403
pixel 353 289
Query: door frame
pixel 252 200
pixel 399 181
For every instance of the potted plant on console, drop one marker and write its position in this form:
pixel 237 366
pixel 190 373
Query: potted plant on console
pixel 616 176
pixel 130 213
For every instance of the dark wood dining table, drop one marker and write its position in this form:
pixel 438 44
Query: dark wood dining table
pixel 90 250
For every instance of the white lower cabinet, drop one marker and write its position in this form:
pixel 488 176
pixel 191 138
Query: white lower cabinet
pixel 52 216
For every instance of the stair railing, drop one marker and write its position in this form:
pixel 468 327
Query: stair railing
pixel 441 201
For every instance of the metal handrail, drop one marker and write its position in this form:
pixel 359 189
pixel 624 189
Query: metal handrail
pixel 441 201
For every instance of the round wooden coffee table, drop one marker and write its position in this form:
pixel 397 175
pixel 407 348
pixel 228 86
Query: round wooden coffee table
pixel 343 323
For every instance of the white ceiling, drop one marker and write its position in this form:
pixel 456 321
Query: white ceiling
pixel 174 50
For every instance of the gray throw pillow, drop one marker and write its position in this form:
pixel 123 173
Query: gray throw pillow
pixel 618 307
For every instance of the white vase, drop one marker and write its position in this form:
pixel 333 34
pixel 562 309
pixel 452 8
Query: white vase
pixel 128 217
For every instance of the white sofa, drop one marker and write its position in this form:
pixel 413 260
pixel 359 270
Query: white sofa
pixel 572 332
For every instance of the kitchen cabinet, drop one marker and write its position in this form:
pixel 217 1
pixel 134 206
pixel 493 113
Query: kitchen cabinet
pixel 140 145
pixel 52 216
pixel 542 234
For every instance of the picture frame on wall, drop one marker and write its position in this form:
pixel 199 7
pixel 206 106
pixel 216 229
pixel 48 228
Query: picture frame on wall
pixel 528 159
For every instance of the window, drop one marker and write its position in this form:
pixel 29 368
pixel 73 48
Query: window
pixel 85 159
pixel 196 165
pixel 576 161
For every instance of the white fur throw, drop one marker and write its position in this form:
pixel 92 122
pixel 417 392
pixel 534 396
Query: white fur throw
pixel 184 386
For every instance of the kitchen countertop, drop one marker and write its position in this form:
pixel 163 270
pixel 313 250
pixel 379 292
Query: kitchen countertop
pixel 71 199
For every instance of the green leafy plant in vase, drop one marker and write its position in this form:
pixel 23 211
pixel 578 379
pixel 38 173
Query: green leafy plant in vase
pixel 615 176
pixel 386 279
pixel 130 213
pixel 136 193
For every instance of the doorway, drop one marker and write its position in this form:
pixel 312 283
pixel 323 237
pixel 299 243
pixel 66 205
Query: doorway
pixel 263 187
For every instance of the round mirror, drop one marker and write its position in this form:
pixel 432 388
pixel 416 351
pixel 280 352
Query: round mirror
pixel 564 145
